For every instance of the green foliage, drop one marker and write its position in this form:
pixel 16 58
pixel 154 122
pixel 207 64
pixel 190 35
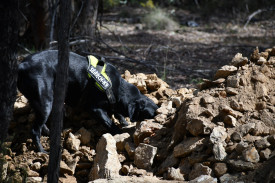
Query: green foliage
pixel 148 4
pixel 158 19
pixel 108 4
pixel 196 81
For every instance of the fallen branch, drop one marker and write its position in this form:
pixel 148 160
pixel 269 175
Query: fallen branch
pixel 256 13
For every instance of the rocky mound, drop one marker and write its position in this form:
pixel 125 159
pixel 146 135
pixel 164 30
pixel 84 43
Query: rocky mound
pixel 223 132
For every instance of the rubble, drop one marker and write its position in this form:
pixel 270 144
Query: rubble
pixel 223 132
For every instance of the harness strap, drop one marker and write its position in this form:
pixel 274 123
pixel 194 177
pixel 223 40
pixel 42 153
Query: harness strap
pixel 96 70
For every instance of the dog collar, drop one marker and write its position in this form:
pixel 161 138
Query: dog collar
pixel 96 70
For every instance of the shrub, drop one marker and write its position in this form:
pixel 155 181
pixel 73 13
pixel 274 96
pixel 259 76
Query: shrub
pixel 158 19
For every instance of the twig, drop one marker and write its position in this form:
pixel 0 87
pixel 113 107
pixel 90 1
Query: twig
pixel 72 43
pixel 77 16
pixel 118 37
pixel 24 48
pixel 256 13
pixel 143 62
pixel 53 13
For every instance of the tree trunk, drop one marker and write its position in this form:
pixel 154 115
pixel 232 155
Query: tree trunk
pixel 8 63
pixel 56 117
pixel 86 21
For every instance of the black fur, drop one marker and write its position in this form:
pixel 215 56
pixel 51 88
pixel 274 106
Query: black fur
pixel 36 81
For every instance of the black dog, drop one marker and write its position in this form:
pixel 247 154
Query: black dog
pixel 36 79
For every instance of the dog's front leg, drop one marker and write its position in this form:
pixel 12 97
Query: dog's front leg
pixel 121 119
pixel 102 116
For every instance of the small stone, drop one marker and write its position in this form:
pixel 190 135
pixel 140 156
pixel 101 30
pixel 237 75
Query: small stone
pixel 251 155
pixel 207 99
pixel 219 152
pixel 121 140
pixel 241 147
pixel 125 169
pixel 218 135
pixel 204 179
pixel 236 136
pixel 271 60
pixel 261 61
pixel 130 149
pixel 220 169
pixel 233 81
pixel 229 178
pixel 65 169
pixel 72 142
pixel 85 136
pixel 199 126
pixel 225 71
pixel 238 60
pixel 36 166
pixel 174 174
pixel 262 143
pixel 145 129
pixel 33 179
pixel 239 165
pixel 198 170
pixel 265 154
pixel 255 55
pixel 230 120
pixel 176 101
pixel 231 91
pixel 170 161
pixel 144 156
pixel 187 146
pixel 260 105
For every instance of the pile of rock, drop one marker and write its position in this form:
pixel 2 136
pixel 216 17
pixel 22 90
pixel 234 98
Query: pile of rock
pixel 223 132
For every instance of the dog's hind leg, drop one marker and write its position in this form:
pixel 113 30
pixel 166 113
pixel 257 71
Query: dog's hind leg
pixel 42 114
pixel 102 116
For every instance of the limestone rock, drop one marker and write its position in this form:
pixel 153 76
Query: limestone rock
pixel 85 136
pixel 265 154
pixel 199 170
pixel 230 120
pixel 251 155
pixel 106 163
pixel 220 169
pixel 145 129
pixel 204 179
pixel 218 135
pixel 262 143
pixel 239 165
pixel 170 161
pixel 233 81
pixel 174 174
pixel 121 140
pixel 72 142
pixel 199 126
pixel 33 179
pixel 219 151
pixel 225 71
pixel 187 146
pixel 238 60
pixel 130 149
pixel 65 169
pixel 144 156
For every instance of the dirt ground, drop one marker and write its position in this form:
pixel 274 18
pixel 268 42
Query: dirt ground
pixel 186 55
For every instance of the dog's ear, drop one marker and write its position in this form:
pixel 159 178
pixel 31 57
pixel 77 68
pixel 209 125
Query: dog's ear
pixel 131 110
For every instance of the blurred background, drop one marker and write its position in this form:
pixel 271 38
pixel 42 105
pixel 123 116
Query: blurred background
pixel 182 41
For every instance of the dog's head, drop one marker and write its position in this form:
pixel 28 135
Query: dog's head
pixel 143 108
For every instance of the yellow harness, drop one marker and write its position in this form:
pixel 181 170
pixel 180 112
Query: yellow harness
pixel 94 62
pixel 96 70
